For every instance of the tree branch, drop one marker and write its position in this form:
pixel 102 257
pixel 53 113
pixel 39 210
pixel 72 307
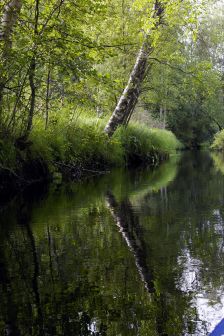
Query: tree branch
pixel 171 66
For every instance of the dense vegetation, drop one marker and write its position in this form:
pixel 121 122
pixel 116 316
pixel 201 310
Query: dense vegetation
pixel 218 143
pixel 65 64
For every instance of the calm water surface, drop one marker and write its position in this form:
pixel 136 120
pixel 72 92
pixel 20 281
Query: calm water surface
pixel 130 253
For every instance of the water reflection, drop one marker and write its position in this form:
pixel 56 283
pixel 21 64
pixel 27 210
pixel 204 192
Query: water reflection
pixel 218 158
pixel 131 253
pixel 130 229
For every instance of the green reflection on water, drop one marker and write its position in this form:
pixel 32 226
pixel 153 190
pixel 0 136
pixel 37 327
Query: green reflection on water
pixel 113 255
pixel 218 158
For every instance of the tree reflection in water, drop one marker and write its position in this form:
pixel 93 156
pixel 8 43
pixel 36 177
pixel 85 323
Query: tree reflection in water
pixel 67 269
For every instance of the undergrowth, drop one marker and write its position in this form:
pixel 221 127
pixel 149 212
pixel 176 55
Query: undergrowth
pixel 218 143
pixel 82 145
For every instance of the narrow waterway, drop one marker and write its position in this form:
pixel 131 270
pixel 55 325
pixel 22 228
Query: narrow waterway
pixel 130 253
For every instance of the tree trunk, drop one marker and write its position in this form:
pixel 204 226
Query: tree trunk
pixel 32 73
pixel 47 97
pixel 164 117
pixel 130 95
pixel 21 84
pixel 8 21
pixel 160 115
pixel 10 15
pixel 33 95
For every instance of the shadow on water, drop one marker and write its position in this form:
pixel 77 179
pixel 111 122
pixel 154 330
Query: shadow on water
pixel 136 252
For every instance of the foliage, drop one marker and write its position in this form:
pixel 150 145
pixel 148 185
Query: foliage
pixel 80 143
pixel 7 153
pixel 84 143
pixel 64 57
pixel 184 89
pixel 82 146
pixel 218 143
pixel 218 159
pixel 142 143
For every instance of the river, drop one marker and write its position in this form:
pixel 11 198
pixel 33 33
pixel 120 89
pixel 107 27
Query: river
pixel 137 252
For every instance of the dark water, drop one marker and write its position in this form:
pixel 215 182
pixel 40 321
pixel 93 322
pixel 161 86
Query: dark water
pixel 130 253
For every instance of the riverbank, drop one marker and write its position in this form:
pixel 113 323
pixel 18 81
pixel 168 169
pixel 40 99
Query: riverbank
pixel 81 148
pixel 218 142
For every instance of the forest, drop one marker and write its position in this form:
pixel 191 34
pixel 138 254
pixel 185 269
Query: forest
pixel 112 167
pixel 89 84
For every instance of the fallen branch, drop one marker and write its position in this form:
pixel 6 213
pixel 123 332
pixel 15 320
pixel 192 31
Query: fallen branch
pixel 79 169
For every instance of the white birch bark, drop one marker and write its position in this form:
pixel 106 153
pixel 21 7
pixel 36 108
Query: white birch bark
pixel 9 18
pixel 130 95
pixel 8 21
pixel 130 230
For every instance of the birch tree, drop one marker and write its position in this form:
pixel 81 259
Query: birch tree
pixel 8 21
pixel 129 97
pixel 161 12
pixel 9 18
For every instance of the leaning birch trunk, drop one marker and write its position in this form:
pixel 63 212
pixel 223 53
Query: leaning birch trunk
pixel 8 21
pixel 130 95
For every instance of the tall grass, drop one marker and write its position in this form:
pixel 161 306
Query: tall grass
pixel 218 159
pixel 218 143
pixel 143 144
pixel 82 144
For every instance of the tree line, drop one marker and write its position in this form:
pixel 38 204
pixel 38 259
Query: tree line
pixel 157 61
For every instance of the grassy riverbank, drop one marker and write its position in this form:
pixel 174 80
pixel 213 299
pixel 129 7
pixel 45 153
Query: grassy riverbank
pixel 218 143
pixel 82 148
